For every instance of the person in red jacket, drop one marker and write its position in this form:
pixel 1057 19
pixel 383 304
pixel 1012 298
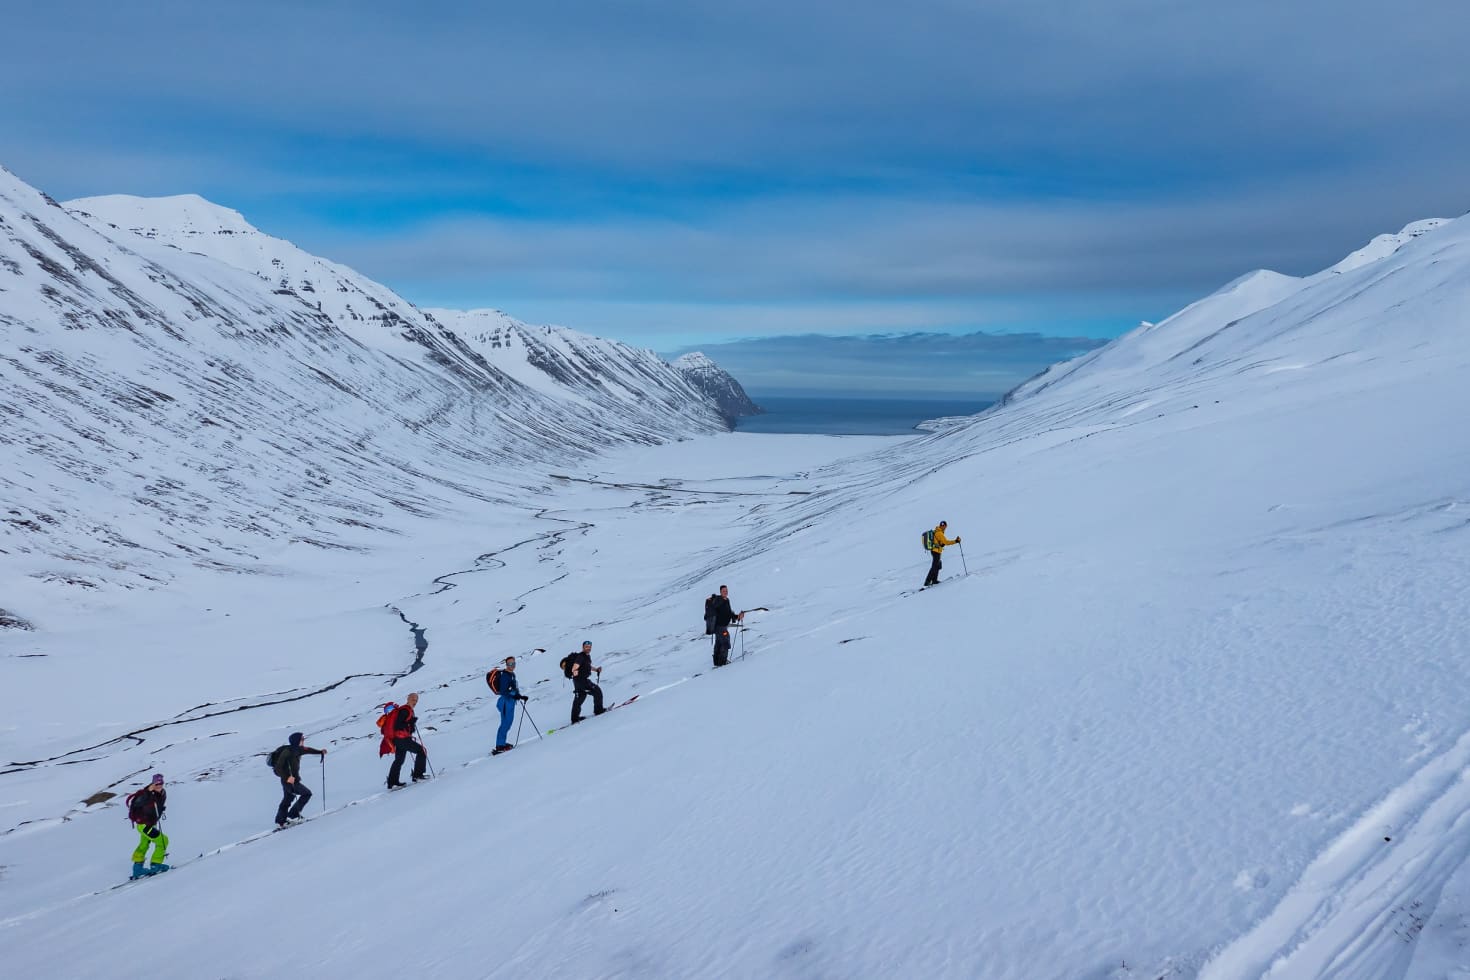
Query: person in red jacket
pixel 398 731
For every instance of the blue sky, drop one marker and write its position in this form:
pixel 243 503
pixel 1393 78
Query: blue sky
pixel 674 173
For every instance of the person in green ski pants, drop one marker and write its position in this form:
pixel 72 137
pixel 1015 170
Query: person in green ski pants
pixel 145 810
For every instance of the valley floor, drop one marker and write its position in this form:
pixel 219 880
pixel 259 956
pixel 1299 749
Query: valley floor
pixel 1090 757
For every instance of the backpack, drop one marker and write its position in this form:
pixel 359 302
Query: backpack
pixel 277 760
pixel 493 679
pixel 929 540
pixel 135 805
pixel 566 666
pixel 709 615
pixel 138 807
pixel 385 744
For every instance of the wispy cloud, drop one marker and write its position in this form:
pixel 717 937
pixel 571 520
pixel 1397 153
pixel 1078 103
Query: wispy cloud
pixel 1064 161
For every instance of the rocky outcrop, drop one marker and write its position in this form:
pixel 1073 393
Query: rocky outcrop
pixel 718 385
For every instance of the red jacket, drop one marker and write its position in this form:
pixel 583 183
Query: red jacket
pixel 400 724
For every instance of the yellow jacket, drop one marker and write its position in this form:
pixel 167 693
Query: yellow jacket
pixel 940 540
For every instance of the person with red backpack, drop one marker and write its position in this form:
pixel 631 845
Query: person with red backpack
pixel 502 681
pixel 285 762
pixel 145 810
pixel 398 738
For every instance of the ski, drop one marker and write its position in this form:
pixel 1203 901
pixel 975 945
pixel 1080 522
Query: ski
pixel 909 592
pixel 148 873
pixel 620 704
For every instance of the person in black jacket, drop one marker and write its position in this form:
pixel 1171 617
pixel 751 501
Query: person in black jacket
pixel 286 761
pixel 145 810
pixel 724 616
pixel 582 670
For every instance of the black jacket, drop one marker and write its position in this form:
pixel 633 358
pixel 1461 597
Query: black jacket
pixel 724 615
pixel 583 663
pixel 292 759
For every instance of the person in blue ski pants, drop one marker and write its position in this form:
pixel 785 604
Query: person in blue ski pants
pixel 510 693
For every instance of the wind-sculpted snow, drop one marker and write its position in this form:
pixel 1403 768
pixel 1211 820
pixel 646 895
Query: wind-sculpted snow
pixel 182 390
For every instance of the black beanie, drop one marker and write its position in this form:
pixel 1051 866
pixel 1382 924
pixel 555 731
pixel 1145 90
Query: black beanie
pixel 296 738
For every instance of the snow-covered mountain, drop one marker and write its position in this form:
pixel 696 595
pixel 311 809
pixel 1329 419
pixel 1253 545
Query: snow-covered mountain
pixel 625 382
pixel 604 375
pixel 181 389
pixel 717 384
pixel 1189 702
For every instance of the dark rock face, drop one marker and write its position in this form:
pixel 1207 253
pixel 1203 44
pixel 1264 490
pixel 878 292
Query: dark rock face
pixel 9 620
pixel 718 385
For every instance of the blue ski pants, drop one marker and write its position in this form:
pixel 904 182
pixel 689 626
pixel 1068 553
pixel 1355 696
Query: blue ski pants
pixel 507 706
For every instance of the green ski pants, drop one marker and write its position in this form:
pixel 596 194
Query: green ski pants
pixel 154 836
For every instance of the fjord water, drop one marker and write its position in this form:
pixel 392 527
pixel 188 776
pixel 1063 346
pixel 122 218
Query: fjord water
pixel 825 415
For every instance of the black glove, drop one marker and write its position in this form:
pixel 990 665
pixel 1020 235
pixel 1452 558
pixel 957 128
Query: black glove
pixel 523 698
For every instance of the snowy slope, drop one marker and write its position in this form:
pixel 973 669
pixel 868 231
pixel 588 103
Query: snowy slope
pixel 634 386
pixel 604 374
pixel 165 408
pixel 1198 708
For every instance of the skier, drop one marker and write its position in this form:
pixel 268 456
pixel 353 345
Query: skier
pixel 145 810
pixel 399 731
pixel 286 761
pixel 509 693
pixel 581 671
pixel 935 564
pixel 724 616
pixel 420 645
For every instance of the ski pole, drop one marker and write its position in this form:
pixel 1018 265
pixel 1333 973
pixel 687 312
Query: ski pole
pixel 425 746
pixel 323 760
pixel 742 643
pixel 520 723
pixel 963 564
pixel 527 714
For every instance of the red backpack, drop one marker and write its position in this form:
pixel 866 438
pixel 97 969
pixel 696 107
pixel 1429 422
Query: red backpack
pixel 385 747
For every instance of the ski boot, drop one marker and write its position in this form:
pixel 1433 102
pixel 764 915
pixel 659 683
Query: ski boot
pixel 157 869
pixel 138 871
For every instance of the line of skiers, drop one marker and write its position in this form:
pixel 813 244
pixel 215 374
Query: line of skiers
pixel 399 723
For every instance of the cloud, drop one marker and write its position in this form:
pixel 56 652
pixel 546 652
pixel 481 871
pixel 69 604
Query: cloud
pixel 955 164
pixel 977 366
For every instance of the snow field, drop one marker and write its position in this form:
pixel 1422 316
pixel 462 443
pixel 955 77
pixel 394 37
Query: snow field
pixel 1198 710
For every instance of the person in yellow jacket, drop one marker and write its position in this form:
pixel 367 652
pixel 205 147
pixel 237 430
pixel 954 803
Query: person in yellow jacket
pixel 935 564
